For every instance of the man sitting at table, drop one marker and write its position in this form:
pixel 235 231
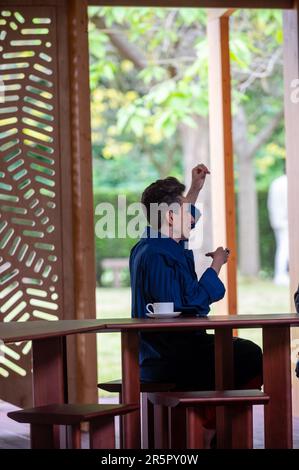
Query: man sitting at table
pixel 162 270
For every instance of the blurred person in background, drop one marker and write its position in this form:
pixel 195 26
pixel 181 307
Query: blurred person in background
pixel 278 215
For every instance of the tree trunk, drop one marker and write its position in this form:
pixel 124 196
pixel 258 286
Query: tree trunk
pixel 248 237
pixel 195 145
pixel 249 255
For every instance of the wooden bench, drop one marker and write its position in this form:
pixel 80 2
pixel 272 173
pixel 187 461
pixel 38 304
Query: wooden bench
pixel 116 265
pixel 43 419
pixel 147 410
pixel 183 427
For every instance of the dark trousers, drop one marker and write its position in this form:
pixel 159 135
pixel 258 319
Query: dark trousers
pixel 194 367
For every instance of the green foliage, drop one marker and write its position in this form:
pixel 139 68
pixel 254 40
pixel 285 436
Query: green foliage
pixel 112 247
pixel 133 171
pixel 151 102
pixel 258 84
pixel 270 161
pixel 137 110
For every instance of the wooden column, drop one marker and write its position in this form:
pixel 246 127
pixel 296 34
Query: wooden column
pixel 83 221
pixel 221 152
pixel 291 81
pixel 276 363
pixel 131 388
pixel 224 380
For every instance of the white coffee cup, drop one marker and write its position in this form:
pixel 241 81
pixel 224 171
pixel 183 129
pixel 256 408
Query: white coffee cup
pixel 160 307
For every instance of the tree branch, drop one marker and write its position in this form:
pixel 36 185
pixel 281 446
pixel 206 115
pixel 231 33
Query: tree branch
pixel 126 49
pixel 131 52
pixel 262 71
pixel 265 134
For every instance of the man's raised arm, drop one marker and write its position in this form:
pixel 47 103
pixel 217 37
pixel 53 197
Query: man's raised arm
pixel 199 174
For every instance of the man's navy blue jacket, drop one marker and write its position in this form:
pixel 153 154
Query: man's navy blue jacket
pixel 162 270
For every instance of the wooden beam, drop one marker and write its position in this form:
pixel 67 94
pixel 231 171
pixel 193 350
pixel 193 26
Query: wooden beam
pixel 291 103
pixel 281 4
pixel 221 154
pixel 29 3
pixel 220 13
pixel 83 220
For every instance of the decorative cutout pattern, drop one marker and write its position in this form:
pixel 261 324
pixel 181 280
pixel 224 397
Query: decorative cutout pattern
pixel 30 238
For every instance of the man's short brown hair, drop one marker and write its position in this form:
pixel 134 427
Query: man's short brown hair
pixel 165 191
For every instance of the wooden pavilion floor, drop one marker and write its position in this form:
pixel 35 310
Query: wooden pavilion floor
pixel 16 436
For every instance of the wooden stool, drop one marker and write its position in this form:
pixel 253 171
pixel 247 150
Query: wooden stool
pixel 42 420
pixel 147 409
pixel 183 427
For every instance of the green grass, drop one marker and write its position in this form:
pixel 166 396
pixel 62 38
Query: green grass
pixel 111 303
pixel 257 296
pixel 254 296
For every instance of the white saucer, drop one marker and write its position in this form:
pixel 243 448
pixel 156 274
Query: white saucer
pixel 163 315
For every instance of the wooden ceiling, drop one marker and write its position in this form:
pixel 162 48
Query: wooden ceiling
pixel 281 4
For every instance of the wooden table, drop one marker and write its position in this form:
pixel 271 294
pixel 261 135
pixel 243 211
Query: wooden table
pixel 48 353
pixel 276 364
pixel 49 361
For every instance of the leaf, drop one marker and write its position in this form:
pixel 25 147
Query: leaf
pixel 161 92
pixel 136 124
pixel 279 36
pixel 120 15
pixel 161 119
pixel 123 117
pixel 235 58
pixel 190 122
pixel 152 73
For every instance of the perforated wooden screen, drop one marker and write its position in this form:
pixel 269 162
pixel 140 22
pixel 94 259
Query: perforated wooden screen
pixel 34 158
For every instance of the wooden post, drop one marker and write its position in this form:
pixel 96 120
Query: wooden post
pixel 131 388
pixel 291 81
pixel 276 363
pixel 224 380
pixel 221 152
pixel 83 222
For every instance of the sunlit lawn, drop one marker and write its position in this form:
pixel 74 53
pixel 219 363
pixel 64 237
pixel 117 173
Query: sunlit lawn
pixel 254 296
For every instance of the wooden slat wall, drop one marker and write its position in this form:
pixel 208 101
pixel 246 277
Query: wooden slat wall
pixel 221 152
pixel 69 155
pixel 291 73
pixel 37 196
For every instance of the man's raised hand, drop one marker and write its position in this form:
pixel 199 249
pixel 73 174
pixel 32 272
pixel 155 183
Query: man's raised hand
pixel 199 173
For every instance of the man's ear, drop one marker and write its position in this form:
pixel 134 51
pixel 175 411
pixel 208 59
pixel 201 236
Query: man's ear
pixel 169 217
